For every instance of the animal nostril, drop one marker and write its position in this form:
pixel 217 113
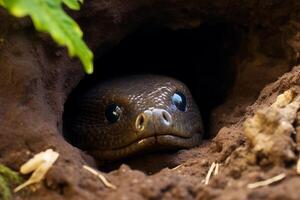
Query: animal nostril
pixel 166 117
pixel 140 122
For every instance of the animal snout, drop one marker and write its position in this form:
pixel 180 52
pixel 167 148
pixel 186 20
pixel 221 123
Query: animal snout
pixel 161 117
pixel 156 119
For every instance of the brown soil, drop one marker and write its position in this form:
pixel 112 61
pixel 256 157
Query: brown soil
pixel 36 78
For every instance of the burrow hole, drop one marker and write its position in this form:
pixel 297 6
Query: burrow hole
pixel 199 57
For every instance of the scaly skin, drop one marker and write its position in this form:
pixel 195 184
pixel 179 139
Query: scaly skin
pixel 163 125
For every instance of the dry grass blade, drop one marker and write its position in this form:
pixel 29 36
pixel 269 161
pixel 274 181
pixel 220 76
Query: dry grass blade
pixel 209 173
pixel 266 182
pixel 216 169
pixel 100 176
pixel 177 167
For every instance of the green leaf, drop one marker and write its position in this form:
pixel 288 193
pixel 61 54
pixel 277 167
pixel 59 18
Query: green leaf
pixel 72 4
pixel 7 177
pixel 49 16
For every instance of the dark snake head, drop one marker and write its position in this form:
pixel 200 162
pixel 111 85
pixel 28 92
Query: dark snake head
pixel 136 114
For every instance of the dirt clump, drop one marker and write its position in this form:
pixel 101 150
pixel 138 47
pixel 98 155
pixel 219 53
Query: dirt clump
pixel 270 130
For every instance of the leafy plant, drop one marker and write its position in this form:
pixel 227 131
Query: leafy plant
pixel 7 176
pixel 49 16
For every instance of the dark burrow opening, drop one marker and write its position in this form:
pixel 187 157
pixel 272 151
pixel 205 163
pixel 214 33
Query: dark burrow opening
pixel 200 57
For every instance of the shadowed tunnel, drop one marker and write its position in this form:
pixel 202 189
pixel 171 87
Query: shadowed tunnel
pixel 199 57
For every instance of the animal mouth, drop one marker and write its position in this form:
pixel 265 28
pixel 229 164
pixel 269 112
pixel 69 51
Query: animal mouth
pixel 149 144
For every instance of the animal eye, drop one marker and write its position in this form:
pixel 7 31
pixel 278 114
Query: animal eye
pixel 179 100
pixel 112 113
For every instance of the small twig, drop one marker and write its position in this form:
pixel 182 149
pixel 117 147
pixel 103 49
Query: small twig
pixel 266 182
pixel 100 176
pixel 209 173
